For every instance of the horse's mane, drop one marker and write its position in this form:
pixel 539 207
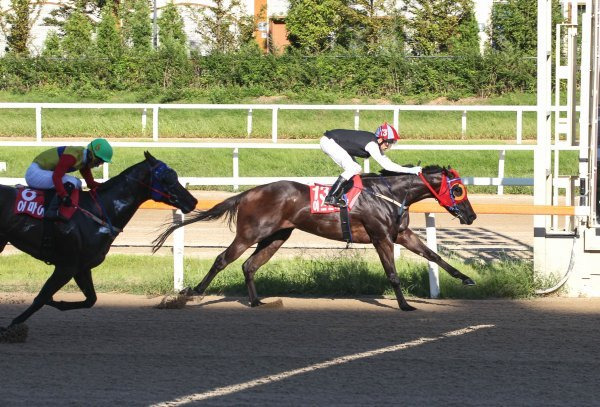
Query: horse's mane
pixel 116 178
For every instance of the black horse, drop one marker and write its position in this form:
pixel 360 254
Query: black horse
pixel 82 243
pixel 268 214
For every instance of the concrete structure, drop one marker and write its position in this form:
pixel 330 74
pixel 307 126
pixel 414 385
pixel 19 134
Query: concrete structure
pixel 570 252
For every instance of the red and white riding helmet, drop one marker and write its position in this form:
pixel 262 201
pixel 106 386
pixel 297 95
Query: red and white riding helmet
pixel 387 133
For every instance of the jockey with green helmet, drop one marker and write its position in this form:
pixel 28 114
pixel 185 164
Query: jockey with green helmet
pixel 50 169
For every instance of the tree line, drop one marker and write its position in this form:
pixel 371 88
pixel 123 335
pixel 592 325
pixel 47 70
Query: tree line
pixel 377 48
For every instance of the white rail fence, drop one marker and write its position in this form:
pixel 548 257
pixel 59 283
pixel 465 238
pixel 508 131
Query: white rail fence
pixel 275 109
pixel 236 180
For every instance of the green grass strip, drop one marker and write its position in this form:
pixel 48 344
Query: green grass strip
pixel 342 276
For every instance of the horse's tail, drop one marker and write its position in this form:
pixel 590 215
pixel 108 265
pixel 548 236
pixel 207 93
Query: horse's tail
pixel 227 208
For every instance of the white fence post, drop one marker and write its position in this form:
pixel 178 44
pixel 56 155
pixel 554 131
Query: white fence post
pixel 434 275
pixel 236 168
pixel 519 126
pixel 356 119
pixel 501 157
pixel 463 131
pixel 144 119
pixel 155 123
pixel 397 119
pixel 105 171
pixel 249 122
pixel 366 166
pixel 38 124
pixel 274 125
pixel 178 245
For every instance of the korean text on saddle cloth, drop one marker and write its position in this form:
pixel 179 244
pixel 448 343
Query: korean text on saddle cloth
pixel 29 202
pixel 318 193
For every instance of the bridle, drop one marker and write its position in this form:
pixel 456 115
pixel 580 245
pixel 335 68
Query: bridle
pixel 452 190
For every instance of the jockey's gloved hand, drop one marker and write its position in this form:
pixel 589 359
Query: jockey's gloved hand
pixel 415 170
pixel 66 201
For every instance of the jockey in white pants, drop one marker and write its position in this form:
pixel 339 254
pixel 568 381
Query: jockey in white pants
pixel 343 145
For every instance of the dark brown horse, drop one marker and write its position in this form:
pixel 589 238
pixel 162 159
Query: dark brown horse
pixel 82 243
pixel 268 214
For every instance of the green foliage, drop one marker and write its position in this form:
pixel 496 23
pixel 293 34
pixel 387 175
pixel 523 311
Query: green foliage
pixel 138 26
pixel 109 43
pixel 77 39
pixel 170 26
pixel 441 26
pixel 514 25
pixel 17 26
pixel 313 24
pixel 223 25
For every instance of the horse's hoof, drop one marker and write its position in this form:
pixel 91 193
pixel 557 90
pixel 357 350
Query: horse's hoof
pixel 189 292
pixel 256 303
pixel 407 307
pixel 468 281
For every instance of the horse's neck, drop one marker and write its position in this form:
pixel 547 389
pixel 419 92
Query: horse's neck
pixel 124 198
pixel 413 189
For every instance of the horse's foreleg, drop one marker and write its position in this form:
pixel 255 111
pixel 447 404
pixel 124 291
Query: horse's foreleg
pixel 2 245
pixel 57 280
pixel 86 285
pixel 385 250
pixel 412 242
pixel 235 250
pixel 265 249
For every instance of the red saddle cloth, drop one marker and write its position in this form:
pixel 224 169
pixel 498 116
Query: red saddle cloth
pixel 318 193
pixel 31 202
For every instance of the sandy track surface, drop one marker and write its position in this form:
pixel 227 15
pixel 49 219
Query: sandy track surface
pixel 218 352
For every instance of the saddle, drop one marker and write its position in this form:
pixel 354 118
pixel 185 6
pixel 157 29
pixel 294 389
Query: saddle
pixel 352 190
pixel 318 192
pixel 33 202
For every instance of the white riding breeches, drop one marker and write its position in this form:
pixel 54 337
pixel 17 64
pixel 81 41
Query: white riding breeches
pixel 340 157
pixel 40 178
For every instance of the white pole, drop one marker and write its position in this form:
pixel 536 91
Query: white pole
pixel 274 125
pixel 356 119
pixel 144 120
pixel 178 245
pixel 434 275
pixel 501 156
pixel 249 122
pixel 397 119
pixel 236 168
pixel 155 123
pixel 367 166
pixel 519 126
pixel 38 124
pixel 464 124
pixel 542 152
pixel 105 171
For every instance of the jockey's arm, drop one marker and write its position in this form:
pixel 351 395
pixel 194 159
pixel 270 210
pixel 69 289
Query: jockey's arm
pixel 86 173
pixel 373 149
pixel 65 162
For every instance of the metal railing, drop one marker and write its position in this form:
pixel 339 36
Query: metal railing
pixel 144 108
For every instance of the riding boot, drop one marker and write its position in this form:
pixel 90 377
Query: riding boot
pixel 52 209
pixel 334 197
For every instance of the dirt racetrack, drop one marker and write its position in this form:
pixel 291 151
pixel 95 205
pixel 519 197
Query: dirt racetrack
pixel 310 352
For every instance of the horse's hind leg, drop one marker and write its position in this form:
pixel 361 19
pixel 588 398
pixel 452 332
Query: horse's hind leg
pixel 57 280
pixel 265 249
pixel 235 250
pixel 412 242
pixel 86 285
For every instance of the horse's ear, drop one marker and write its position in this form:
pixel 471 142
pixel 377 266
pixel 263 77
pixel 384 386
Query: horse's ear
pixel 149 157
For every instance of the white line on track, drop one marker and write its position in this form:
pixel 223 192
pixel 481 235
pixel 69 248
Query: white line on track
pixel 222 391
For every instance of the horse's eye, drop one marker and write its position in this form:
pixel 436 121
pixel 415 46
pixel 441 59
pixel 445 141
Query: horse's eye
pixel 458 191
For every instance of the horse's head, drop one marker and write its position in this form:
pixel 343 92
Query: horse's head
pixel 166 188
pixel 451 192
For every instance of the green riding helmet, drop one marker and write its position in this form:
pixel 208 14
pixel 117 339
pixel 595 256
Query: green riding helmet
pixel 101 149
